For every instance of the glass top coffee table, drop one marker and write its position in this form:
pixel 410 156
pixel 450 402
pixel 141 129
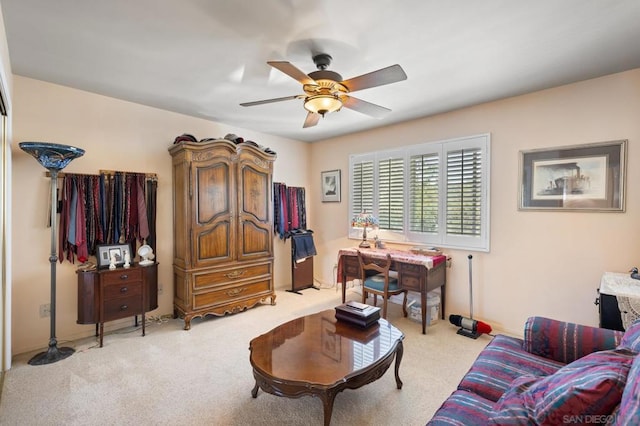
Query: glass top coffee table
pixel 320 356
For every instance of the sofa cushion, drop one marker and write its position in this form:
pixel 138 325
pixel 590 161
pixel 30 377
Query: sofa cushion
pixel 629 410
pixel 463 408
pixel 590 386
pixel 499 363
pixel 631 338
pixel 566 342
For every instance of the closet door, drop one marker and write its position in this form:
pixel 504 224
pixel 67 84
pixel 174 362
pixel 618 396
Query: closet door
pixel 213 201
pixel 255 200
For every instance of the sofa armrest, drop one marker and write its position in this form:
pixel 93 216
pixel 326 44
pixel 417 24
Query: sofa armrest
pixel 565 342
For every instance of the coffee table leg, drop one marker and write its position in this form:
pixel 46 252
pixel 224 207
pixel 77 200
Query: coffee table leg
pixel 327 402
pixel 399 353
pixel 254 392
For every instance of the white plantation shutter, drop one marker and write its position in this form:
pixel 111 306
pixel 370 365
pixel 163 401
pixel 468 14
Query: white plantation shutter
pixel 362 187
pixel 391 194
pixel 424 174
pixel 464 192
pixel 435 193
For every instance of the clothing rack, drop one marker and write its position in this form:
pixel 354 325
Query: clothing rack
pixel 113 172
pixel 61 175
pixel 302 251
pixel 289 209
pixel 112 207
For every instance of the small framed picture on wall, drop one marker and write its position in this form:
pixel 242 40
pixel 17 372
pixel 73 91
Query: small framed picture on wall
pixel 330 186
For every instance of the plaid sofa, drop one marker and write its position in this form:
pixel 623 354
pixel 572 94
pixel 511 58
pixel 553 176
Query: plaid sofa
pixel 559 373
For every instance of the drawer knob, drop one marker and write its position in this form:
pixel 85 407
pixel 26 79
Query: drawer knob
pixel 124 307
pixel 235 274
pixel 124 276
pixel 124 289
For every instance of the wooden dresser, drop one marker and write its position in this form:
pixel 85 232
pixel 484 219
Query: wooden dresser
pixel 223 228
pixel 107 295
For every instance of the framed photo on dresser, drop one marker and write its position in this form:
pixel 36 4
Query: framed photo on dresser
pixel 104 252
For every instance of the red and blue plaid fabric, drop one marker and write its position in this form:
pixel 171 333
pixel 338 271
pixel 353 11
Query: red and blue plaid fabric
pixel 502 361
pixel 587 388
pixel 566 342
pixel 628 413
pixel 631 338
pixel 548 346
pixel 463 408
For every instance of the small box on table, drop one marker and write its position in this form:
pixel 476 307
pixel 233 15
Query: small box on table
pixel 358 314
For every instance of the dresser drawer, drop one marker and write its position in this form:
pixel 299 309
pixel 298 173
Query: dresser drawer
pixel 230 275
pixel 122 307
pixel 123 289
pixel 122 275
pixel 228 294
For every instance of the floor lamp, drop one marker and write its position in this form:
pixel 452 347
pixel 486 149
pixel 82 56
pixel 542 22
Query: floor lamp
pixel 53 157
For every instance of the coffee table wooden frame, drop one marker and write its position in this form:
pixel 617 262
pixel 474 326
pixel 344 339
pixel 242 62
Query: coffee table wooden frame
pixel 281 386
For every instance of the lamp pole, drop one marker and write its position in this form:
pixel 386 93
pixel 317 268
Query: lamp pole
pixel 53 157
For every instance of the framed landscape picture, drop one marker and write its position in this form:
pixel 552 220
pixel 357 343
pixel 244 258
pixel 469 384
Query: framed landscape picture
pixel 576 178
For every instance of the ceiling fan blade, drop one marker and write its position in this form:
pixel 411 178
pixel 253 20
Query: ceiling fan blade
pixel 292 71
pixel 383 76
pixel 364 107
pixel 311 120
pixel 269 101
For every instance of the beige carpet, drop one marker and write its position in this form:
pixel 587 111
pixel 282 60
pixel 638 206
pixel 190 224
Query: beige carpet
pixel 203 376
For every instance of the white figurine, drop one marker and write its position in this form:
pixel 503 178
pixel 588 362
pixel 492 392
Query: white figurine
pixel 112 264
pixel 127 259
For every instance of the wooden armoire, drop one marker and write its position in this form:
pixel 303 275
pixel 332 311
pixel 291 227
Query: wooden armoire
pixel 223 228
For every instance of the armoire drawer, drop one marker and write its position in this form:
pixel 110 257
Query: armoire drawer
pixel 223 276
pixel 227 294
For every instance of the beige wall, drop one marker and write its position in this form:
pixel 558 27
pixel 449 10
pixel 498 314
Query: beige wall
pixel 540 263
pixel 116 135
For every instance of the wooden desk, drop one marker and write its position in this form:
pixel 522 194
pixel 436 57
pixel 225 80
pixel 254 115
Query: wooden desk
pixel 416 272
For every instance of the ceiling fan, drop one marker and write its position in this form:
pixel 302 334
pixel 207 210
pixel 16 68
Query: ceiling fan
pixel 325 91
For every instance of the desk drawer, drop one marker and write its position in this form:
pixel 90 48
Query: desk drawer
pixel 410 283
pixel 122 307
pixel 350 266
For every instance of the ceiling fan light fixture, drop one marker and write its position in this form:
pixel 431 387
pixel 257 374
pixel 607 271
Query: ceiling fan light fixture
pixel 322 104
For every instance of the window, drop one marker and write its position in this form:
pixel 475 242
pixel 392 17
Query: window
pixel 435 193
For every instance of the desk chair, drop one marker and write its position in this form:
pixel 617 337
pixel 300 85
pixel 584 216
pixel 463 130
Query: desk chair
pixel 376 280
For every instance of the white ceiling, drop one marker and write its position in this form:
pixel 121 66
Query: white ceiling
pixel 203 57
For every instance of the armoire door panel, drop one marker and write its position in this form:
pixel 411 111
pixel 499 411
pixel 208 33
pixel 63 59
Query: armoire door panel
pixel 214 243
pixel 213 185
pixel 255 193
pixel 256 240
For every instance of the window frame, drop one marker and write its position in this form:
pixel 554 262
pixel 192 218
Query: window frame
pixel 441 238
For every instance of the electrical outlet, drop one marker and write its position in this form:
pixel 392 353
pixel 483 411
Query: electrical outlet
pixel 45 310
pixel 159 289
